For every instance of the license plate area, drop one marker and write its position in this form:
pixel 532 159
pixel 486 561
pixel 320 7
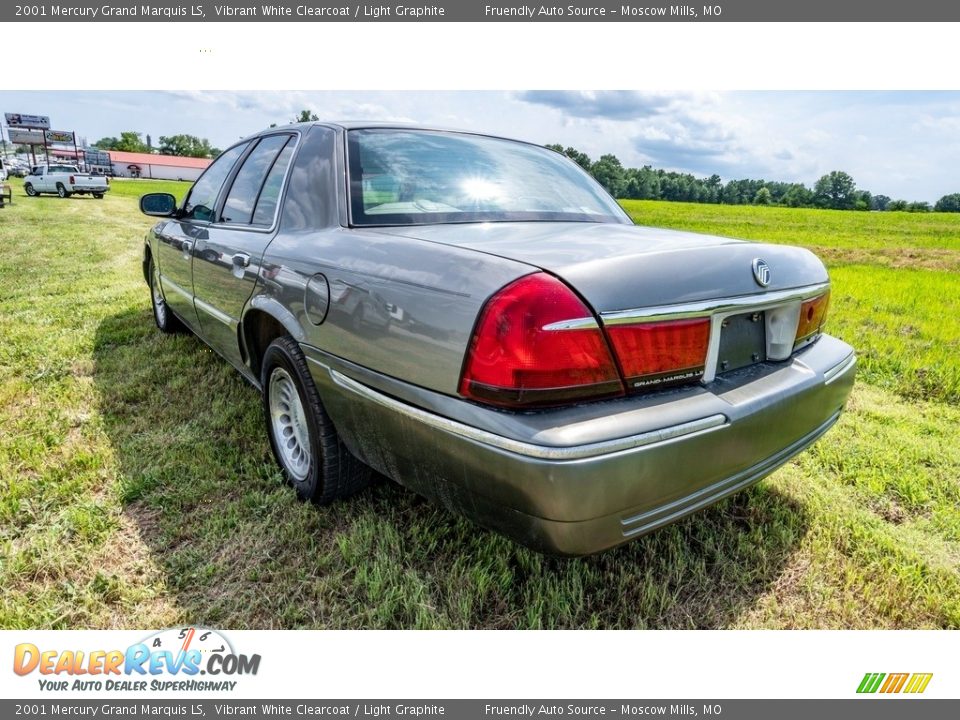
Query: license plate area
pixel 743 341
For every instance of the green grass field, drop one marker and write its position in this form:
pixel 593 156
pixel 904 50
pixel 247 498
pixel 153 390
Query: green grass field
pixel 137 489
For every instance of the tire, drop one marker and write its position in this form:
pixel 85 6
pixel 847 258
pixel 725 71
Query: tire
pixel 163 316
pixel 304 441
pixel 62 191
pixel 29 189
pixel 98 196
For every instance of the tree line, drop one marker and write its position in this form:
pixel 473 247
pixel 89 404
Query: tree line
pixel 183 145
pixel 835 190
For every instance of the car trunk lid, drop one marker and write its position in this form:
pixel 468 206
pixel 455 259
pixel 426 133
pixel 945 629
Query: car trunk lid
pixel 621 267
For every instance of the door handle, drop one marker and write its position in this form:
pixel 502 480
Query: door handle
pixel 241 260
pixel 186 246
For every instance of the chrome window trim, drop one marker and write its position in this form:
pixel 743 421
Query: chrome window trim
pixel 250 227
pixel 532 450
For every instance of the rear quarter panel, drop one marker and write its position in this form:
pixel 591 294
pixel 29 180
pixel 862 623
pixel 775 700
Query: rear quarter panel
pixel 402 307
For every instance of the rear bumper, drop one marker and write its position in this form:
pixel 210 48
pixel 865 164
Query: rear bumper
pixel 581 480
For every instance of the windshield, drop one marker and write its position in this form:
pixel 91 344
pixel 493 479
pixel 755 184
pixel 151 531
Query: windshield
pixel 415 177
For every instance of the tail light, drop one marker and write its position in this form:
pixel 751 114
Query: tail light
pixel 813 314
pixel 536 343
pixel 107 179
pixel 661 353
pixel 72 181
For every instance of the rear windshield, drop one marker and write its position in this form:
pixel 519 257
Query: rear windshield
pixel 417 177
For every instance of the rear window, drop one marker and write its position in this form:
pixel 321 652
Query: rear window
pixel 413 177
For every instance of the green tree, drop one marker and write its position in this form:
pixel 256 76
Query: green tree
pixel 836 190
pixel 106 143
pixel 797 195
pixel 580 158
pixel 880 202
pixel 897 205
pixel 918 207
pixel 185 146
pixel 305 116
pixel 131 141
pixel 763 197
pixel 610 173
pixel 948 203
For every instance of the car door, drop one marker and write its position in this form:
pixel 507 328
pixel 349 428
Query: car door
pixel 226 261
pixel 178 237
pixel 39 179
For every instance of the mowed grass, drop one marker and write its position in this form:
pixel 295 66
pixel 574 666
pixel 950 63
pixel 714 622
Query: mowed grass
pixel 137 489
pixel 896 281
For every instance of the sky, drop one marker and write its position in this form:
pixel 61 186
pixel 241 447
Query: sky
pixel 901 144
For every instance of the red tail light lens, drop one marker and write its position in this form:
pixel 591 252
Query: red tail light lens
pixel 72 181
pixel 813 314
pixel 523 355
pixel 660 353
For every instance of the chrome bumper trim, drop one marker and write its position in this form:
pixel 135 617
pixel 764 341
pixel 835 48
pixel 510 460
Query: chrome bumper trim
pixel 541 452
pixel 839 369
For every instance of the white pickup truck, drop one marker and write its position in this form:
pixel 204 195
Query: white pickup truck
pixel 64 180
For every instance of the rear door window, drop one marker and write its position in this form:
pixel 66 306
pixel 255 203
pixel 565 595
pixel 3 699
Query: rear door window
pixel 245 192
pixel 266 208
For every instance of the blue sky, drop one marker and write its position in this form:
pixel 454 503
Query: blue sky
pixel 901 144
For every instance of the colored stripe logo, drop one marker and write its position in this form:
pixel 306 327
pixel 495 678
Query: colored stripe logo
pixel 913 683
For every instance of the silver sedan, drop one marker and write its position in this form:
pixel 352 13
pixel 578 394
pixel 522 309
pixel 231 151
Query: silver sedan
pixel 476 319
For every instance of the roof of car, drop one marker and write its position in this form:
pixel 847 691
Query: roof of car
pixel 362 124
pixel 384 124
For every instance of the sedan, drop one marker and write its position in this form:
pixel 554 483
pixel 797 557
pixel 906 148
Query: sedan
pixel 478 320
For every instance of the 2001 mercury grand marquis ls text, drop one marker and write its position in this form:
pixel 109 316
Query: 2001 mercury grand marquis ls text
pixel 478 320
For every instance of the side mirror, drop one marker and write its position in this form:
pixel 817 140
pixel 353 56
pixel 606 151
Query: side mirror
pixel 158 204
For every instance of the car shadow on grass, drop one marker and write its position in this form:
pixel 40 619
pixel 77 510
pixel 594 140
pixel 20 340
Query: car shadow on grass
pixel 238 550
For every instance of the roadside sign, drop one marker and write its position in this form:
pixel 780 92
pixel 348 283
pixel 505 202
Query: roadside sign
pixel 19 120
pixel 26 137
pixel 59 136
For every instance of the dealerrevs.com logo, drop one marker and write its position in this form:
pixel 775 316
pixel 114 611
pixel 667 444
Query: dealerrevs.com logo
pixel 169 660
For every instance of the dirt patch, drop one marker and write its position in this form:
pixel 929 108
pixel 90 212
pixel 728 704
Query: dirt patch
pixel 894 258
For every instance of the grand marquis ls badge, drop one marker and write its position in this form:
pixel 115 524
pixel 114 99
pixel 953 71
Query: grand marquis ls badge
pixel 761 272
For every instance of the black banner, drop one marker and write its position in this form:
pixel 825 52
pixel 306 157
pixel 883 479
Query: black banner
pixel 853 709
pixel 483 11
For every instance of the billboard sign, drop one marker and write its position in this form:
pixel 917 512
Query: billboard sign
pixel 26 137
pixel 19 120
pixel 59 136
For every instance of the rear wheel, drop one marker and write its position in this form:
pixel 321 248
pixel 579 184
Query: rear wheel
pixel 166 321
pixel 62 191
pixel 30 190
pixel 303 439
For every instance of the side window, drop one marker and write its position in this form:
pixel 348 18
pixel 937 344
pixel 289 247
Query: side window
pixel 202 198
pixel 243 195
pixel 266 208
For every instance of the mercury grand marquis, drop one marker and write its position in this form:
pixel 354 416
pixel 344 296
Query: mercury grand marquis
pixel 478 320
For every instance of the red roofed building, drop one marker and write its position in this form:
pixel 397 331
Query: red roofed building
pixel 160 167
